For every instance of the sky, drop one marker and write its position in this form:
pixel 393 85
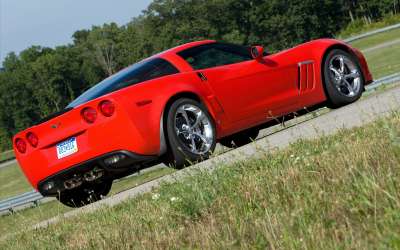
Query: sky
pixel 24 23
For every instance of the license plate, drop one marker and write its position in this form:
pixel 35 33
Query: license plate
pixel 67 148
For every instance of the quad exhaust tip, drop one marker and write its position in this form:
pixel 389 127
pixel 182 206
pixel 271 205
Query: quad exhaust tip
pixel 93 175
pixel 90 176
pixel 73 183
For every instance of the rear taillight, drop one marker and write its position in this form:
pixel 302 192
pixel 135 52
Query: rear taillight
pixel 107 108
pixel 89 115
pixel 20 144
pixel 32 139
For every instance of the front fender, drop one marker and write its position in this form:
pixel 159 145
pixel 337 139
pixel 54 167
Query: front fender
pixel 320 48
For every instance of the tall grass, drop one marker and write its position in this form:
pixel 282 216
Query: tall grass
pixel 337 192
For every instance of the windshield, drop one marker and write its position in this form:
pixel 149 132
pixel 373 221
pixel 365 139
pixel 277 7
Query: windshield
pixel 134 74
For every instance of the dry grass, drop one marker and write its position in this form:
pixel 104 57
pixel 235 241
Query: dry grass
pixel 337 192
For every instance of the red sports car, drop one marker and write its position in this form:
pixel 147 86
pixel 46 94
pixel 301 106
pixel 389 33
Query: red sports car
pixel 175 106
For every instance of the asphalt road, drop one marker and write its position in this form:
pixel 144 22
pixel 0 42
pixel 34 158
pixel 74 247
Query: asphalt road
pixel 357 114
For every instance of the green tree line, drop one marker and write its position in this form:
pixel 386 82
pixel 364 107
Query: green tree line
pixel 40 81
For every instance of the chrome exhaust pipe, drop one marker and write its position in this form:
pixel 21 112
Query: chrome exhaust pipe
pixel 93 175
pixel 73 183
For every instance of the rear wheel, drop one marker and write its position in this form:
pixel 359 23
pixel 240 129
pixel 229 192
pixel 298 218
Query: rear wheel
pixel 343 78
pixel 191 133
pixel 240 139
pixel 85 194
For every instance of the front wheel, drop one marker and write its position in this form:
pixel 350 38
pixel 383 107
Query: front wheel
pixel 191 133
pixel 343 78
pixel 85 194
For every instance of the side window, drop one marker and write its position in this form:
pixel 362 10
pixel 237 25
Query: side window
pixel 217 54
pixel 160 68
pixel 150 70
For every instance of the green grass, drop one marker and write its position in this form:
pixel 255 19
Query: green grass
pixel 384 61
pixel 337 192
pixel 24 219
pixel 130 182
pixel 12 182
pixel 359 27
pixel 8 155
pixel 377 39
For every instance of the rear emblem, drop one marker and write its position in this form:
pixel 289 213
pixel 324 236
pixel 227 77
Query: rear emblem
pixel 56 125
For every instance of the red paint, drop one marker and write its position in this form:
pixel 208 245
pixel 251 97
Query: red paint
pixel 238 96
pixel 144 103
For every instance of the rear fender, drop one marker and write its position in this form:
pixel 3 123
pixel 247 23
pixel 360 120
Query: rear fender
pixel 190 91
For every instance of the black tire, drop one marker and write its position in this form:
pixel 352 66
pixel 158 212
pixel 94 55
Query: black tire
pixel 179 153
pixel 335 86
pixel 240 139
pixel 85 194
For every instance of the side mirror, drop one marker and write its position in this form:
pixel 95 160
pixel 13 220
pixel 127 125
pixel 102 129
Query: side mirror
pixel 257 52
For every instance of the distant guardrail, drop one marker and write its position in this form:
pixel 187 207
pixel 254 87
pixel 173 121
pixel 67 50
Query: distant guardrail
pixel 33 197
pixel 384 81
pixel 30 198
pixel 371 33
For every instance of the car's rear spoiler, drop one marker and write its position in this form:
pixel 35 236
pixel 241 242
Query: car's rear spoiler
pixel 54 115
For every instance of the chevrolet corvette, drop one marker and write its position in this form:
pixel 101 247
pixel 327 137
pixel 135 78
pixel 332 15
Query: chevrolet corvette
pixel 175 106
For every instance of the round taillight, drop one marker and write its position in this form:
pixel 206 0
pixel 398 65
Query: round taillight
pixel 89 115
pixel 20 144
pixel 32 139
pixel 107 108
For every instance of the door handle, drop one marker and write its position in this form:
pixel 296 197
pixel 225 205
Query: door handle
pixel 202 77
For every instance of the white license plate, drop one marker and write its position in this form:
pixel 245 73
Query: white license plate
pixel 67 148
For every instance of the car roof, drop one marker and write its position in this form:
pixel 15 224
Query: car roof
pixel 182 47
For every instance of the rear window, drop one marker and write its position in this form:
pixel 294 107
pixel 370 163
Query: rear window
pixel 137 73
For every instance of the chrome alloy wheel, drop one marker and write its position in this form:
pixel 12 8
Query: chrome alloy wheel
pixel 194 129
pixel 345 75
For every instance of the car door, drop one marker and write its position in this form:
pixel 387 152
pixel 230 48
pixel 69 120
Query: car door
pixel 246 88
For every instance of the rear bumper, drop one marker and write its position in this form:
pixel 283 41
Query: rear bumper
pixel 129 161
pixel 122 132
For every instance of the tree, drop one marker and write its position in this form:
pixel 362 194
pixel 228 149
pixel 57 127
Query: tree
pixel 40 80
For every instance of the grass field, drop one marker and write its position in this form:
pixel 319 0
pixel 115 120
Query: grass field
pixel 377 39
pixel 21 220
pixel 385 60
pixel 337 192
pixel 12 182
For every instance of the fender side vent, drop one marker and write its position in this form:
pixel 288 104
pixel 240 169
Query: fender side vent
pixel 306 77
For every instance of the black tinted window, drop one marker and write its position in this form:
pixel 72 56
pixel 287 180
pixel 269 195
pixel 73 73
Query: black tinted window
pixel 216 54
pixel 137 73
